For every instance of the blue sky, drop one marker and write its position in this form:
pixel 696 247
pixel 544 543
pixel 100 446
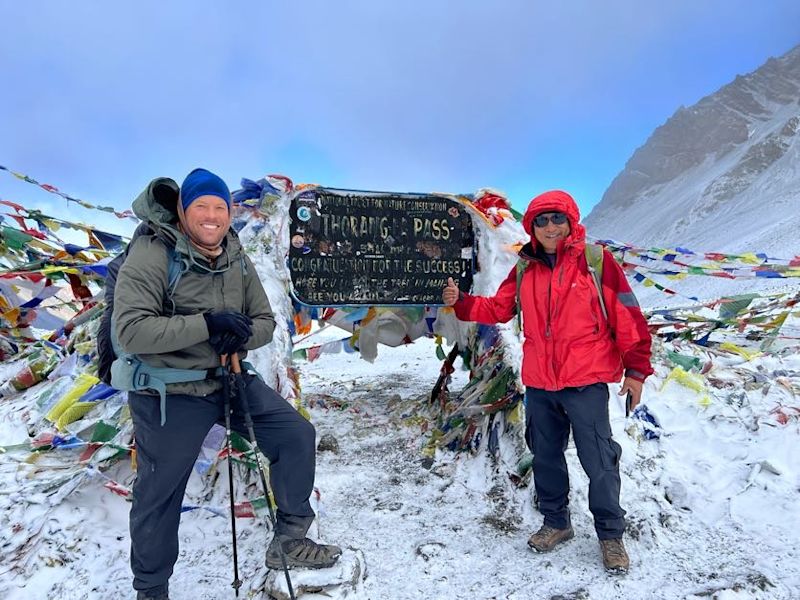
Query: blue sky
pixel 99 97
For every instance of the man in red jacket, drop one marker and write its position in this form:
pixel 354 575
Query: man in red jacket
pixel 571 351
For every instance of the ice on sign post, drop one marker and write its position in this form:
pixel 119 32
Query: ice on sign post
pixel 352 248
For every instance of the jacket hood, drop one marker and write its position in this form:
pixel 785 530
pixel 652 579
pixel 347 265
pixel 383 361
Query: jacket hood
pixel 158 203
pixel 555 201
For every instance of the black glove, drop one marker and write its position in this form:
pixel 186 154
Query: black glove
pixel 224 321
pixel 227 343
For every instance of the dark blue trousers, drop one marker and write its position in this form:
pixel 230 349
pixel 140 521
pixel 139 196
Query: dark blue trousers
pixel 549 417
pixel 166 455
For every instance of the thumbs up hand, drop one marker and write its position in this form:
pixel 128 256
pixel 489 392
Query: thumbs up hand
pixel 450 293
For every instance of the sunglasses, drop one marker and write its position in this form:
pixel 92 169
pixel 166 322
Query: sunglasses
pixel 542 220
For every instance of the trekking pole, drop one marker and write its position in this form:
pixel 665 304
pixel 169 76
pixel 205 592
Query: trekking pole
pixel 237 375
pixel 226 390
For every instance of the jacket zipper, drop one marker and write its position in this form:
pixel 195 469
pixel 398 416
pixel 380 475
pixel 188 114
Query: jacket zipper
pixel 550 310
pixel 549 296
pixel 219 282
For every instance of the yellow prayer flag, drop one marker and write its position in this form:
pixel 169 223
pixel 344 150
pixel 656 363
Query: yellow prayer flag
pixel 82 384
pixel 49 270
pixel 750 259
pixel 687 380
pixel 734 349
pixel 515 416
pixel 42 246
pixel 51 225
pixel 678 276
pixel 371 314
pixel 777 321
pixel 73 413
pixel 12 316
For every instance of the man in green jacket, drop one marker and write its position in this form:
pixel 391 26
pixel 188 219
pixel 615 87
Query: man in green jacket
pixel 218 307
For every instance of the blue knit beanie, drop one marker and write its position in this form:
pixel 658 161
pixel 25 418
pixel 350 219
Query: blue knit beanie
pixel 201 182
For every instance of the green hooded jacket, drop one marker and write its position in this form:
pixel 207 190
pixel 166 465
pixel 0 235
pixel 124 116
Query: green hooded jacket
pixel 174 334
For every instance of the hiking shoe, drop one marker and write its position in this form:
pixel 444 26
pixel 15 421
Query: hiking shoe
pixel 615 558
pixel 302 554
pixel 548 538
pixel 159 593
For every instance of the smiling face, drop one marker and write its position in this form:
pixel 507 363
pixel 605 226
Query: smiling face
pixel 208 220
pixel 549 231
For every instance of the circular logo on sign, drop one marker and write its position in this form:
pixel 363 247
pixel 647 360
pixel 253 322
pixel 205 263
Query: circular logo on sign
pixel 304 213
pixel 298 241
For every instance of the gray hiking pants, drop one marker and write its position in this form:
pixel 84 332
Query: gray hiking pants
pixel 166 455
pixel 549 416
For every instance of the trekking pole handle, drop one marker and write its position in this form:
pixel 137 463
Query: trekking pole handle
pixel 237 368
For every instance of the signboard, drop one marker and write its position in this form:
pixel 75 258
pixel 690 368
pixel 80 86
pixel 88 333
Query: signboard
pixel 355 248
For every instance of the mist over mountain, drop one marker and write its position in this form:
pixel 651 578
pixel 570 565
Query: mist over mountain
pixel 723 174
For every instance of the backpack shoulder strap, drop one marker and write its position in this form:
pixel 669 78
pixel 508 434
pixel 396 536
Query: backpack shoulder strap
pixel 175 269
pixel 594 257
pixel 594 262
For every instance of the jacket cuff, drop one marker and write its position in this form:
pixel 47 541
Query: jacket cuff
pixel 634 374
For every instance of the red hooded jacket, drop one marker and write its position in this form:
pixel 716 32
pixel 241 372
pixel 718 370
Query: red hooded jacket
pixel 568 341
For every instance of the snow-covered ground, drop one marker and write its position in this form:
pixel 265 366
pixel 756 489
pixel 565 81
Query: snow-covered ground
pixel 712 498
pixel 712 504
pixel 459 529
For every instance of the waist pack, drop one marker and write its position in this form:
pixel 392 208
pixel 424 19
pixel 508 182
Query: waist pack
pixel 131 374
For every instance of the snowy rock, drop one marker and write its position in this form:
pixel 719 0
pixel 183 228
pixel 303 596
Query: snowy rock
pixel 675 493
pixel 343 580
pixel 429 550
pixel 328 443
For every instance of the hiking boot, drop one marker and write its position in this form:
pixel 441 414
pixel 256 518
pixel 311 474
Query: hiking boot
pixel 158 593
pixel 302 554
pixel 615 558
pixel 548 538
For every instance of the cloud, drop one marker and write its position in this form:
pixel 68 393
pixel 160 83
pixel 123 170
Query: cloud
pixel 413 95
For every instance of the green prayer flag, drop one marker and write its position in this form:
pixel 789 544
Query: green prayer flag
pixel 103 432
pixel 498 387
pixel 15 239
pixel 686 362
pixel 734 305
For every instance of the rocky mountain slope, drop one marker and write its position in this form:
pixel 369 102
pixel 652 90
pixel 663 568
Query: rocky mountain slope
pixel 723 174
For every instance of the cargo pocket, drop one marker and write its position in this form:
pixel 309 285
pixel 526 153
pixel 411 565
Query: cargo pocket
pixel 609 450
